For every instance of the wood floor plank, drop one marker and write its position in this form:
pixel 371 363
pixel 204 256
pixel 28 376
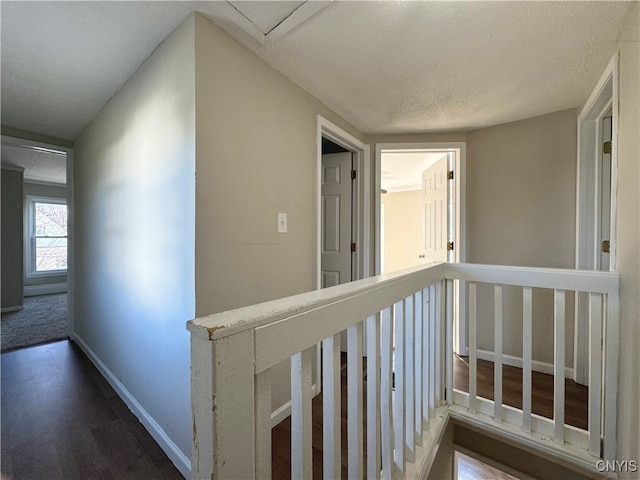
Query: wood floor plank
pixel 576 396
pixel 61 419
pixel 542 404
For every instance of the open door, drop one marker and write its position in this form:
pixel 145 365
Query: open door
pixel 336 208
pixel 435 195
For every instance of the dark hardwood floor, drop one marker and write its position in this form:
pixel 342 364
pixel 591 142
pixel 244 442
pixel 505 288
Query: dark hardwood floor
pixel 576 396
pixel 576 409
pixel 62 420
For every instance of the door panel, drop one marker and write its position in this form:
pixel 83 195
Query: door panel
pixel 435 189
pixel 336 219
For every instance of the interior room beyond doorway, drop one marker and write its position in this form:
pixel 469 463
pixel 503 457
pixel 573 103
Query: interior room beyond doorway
pixel 417 207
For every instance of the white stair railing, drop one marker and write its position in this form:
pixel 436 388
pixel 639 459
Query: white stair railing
pixel 408 324
pixel 602 290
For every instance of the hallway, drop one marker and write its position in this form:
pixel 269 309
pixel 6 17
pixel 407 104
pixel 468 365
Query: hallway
pixel 62 420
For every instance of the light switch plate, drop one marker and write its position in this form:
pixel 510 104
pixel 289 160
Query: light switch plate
pixel 282 223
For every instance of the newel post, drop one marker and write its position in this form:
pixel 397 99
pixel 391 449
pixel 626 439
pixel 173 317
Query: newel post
pixel 222 404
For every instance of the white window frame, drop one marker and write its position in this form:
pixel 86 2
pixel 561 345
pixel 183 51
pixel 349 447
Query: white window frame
pixel 30 237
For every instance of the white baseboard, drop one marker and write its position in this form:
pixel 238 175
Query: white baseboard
pixel 33 290
pixel 179 459
pixel 512 361
pixel 280 413
pixel 17 308
pixel 464 352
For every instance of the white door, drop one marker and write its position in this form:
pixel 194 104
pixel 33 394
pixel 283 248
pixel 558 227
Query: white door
pixel 435 197
pixel 336 219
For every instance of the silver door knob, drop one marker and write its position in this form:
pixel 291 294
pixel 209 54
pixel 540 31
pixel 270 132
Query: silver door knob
pixel 421 255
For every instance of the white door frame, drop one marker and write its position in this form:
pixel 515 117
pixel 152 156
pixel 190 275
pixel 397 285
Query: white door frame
pixel 603 98
pixel 361 207
pixel 460 237
pixel 361 197
pixel 32 144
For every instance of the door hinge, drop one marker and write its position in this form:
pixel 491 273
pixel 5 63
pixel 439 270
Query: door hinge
pixel 606 246
pixel 450 175
pixel 449 246
pixel 606 148
pixel 353 174
pixel 353 247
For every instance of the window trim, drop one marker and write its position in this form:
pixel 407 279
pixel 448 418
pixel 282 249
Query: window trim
pixel 30 237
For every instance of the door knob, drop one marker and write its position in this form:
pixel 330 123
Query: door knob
pixel 421 255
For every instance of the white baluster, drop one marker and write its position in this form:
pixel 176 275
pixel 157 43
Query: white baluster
pixel 440 338
pixel 497 365
pixel 354 401
pixel 399 391
pixel 433 341
pixel 373 397
pixel 418 372
pixel 527 302
pixel 409 395
pixel 473 311
pixel 386 392
pixel 558 366
pixel 331 416
pixel 449 341
pixel 595 372
pixel 612 337
pixel 301 453
pixel 426 388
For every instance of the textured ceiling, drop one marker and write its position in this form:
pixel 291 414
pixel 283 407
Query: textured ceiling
pixel 386 67
pixel 416 66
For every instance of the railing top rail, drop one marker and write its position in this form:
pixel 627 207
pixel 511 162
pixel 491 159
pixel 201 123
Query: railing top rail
pixel 223 324
pixel 557 278
pixel 233 321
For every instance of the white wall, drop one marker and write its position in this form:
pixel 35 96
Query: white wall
pixel 134 173
pixel 628 232
pixel 521 211
pixel 256 156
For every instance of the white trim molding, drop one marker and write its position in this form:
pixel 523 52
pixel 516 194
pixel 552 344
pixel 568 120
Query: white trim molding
pixel 17 308
pixel 68 151
pixel 30 236
pixel 459 166
pixel 603 98
pixel 179 459
pixel 46 289
pixel 362 206
pixel 284 411
pixel 248 29
pixel 361 215
pixel 536 366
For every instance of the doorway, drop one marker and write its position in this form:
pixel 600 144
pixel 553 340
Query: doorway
pixel 596 192
pixel 415 205
pixel 338 142
pixel 420 214
pixel 39 177
pixel 342 176
pixel 336 190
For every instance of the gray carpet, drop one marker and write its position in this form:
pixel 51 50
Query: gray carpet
pixel 43 319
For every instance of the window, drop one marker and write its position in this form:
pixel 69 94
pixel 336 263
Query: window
pixel 46 235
